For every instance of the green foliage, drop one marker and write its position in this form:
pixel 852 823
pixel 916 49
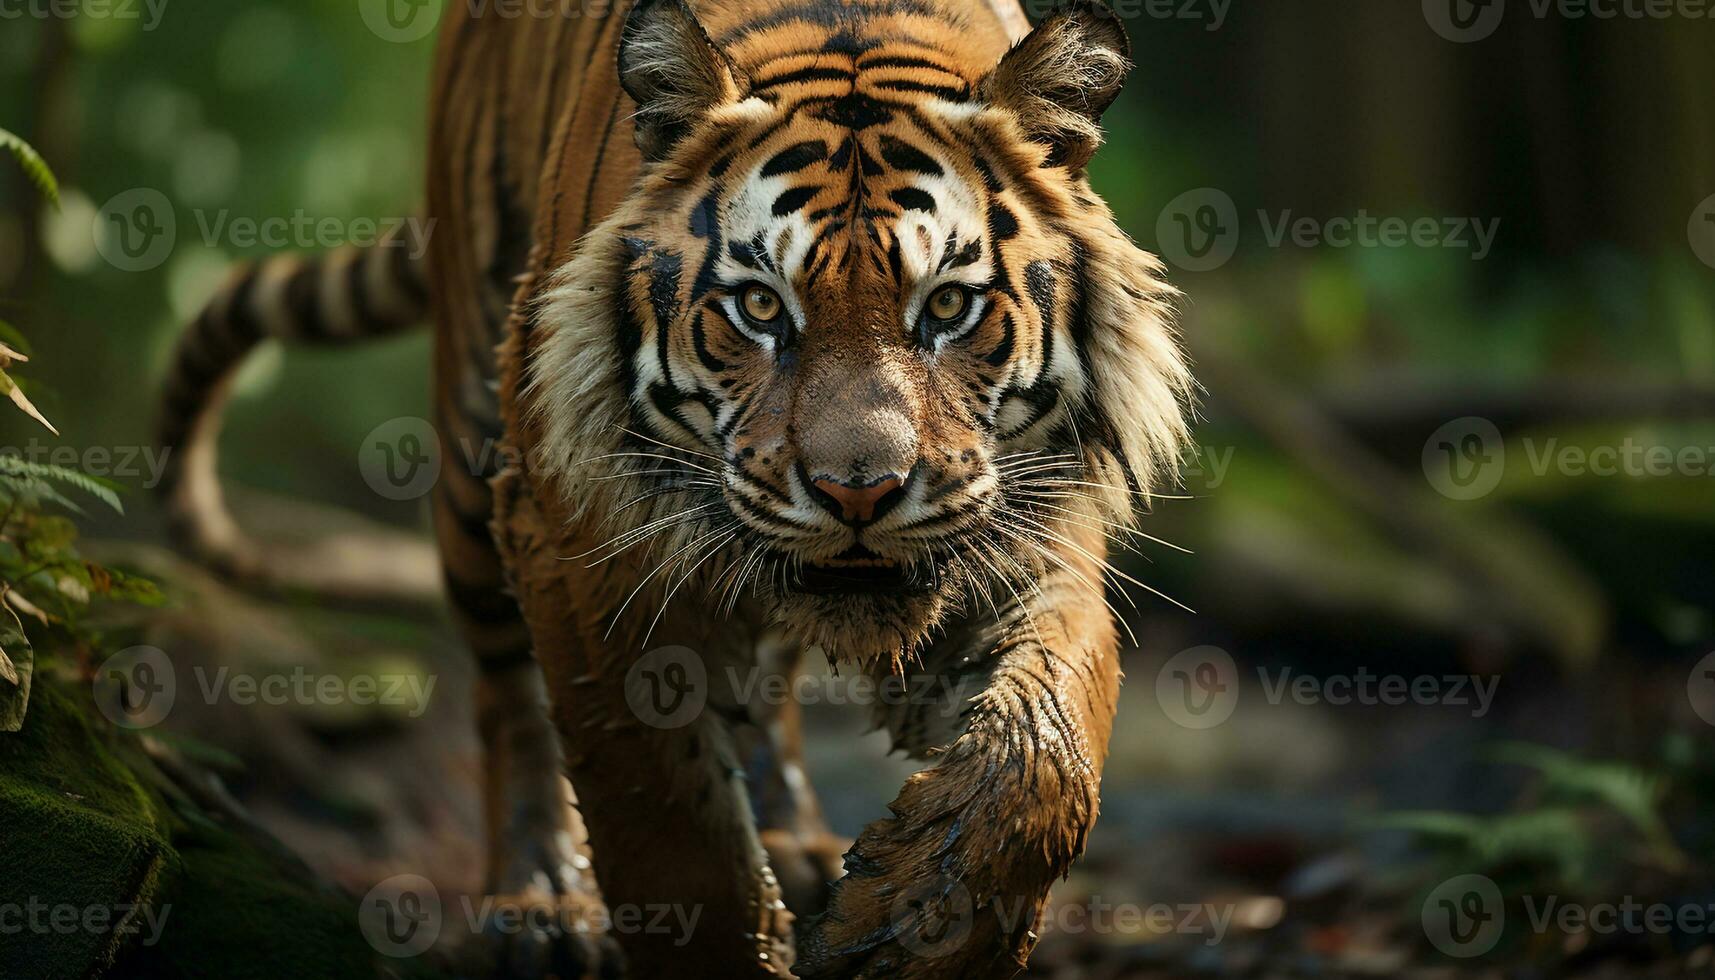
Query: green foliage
pixel 1627 790
pixel 43 579
pixel 21 478
pixel 1553 841
pixel 17 669
pixel 42 576
pixel 34 166
pixel 13 348
pixel 1585 821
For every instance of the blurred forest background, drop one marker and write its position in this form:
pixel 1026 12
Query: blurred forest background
pixel 1319 541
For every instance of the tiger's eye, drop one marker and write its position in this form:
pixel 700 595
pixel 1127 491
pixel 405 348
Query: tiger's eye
pixel 762 304
pixel 949 303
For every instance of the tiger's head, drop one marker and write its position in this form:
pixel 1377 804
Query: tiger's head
pixel 862 338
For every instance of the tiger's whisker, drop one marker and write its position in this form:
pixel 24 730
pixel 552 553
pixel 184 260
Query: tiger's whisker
pixel 665 562
pixel 734 530
pixel 668 445
pixel 1095 589
pixel 654 456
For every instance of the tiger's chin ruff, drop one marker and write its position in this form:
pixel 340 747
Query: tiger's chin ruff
pixel 867 631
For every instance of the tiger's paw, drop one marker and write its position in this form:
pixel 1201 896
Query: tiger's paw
pixel 544 919
pixel 924 928
pixel 535 936
pixel 806 868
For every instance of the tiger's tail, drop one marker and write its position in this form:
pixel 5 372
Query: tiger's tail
pixel 345 297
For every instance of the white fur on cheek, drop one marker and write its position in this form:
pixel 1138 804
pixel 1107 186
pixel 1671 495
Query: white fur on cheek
pixel 1141 381
pixel 573 388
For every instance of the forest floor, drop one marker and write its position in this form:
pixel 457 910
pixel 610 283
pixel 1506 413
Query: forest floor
pixel 1244 851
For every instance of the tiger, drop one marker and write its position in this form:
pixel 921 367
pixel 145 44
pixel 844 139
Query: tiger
pixel 802 330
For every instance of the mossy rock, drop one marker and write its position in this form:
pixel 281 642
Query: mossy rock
pixel 78 832
pixel 88 822
pixel 238 912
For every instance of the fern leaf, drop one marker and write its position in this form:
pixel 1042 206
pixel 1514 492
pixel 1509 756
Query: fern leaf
pixel 34 166
pixel 38 492
pixel 102 490
pixel 1628 790
pixel 1459 828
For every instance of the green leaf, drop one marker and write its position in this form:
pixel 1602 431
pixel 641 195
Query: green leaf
pixel 34 166
pixel 1632 792
pixel 105 491
pixel 50 538
pixel 1458 827
pixel 16 650
pixel 134 589
pixel 1557 837
pixel 1553 837
pixel 33 493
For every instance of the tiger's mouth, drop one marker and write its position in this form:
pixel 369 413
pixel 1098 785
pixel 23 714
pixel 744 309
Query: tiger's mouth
pixel 859 571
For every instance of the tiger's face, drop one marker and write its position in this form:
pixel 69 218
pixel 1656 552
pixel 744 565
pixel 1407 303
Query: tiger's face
pixel 852 312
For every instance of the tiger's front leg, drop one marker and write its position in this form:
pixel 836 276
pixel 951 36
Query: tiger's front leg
pixel 954 883
pixel 660 782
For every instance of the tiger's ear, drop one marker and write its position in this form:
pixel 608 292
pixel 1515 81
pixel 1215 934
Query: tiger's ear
pixel 1061 78
pixel 671 68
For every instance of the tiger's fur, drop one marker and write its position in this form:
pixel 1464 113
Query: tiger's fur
pixel 604 190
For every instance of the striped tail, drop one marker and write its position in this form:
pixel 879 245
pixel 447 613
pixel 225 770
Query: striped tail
pixel 347 296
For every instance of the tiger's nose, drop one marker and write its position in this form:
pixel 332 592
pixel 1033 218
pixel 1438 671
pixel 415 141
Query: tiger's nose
pixel 859 504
